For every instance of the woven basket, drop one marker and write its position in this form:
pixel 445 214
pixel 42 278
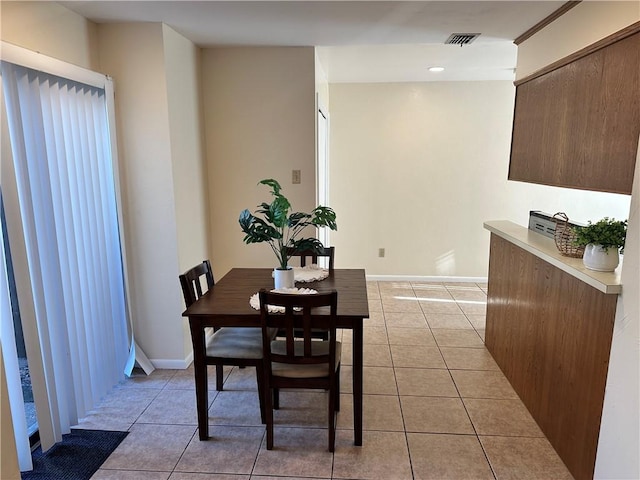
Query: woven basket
pixel 565 236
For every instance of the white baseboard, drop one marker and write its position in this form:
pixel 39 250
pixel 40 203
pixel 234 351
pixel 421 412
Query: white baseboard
pixel 166 364
pixel 419 278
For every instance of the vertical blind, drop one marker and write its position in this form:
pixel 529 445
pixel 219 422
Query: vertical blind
pixel 10 357
pixel 59 133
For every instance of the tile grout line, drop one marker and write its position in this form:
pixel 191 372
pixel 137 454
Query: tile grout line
pixel 460 394
pixel 404 425
pixel 477 436
pixel 475 367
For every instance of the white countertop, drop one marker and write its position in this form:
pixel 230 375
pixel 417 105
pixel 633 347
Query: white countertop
pixel 545 248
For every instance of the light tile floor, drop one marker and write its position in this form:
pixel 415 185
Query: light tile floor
pixel 436 406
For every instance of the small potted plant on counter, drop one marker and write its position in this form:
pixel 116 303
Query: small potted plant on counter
pixel 603 242
pixel 280 230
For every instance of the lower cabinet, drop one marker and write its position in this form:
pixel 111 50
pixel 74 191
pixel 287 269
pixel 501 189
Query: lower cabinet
pixel 551 333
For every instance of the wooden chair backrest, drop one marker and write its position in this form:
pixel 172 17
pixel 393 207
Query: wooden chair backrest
pixel 304 254
pixel 298 323
pixel 191 282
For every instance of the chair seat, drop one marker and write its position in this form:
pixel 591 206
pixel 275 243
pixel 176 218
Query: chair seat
pixel 236 342
pixel 303 371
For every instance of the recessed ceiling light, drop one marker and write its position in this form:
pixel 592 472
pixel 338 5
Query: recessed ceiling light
pixel 436 69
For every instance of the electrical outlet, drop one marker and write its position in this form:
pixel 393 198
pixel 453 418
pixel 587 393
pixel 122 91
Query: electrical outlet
pixel 295 176
pixel 381 252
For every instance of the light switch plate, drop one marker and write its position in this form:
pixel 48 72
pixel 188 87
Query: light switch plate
pixel 295 176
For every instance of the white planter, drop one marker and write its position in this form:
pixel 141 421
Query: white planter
pixel 283 278
pixel 600 259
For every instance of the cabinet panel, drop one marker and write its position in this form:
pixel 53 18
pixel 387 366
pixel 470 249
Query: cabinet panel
pixel 551 333
pixel 578 125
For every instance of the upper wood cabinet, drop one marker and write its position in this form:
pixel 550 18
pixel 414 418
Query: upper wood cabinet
pixel 576 124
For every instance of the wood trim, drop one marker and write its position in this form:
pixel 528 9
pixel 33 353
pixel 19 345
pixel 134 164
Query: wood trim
pixel 605 42
pixel 546 21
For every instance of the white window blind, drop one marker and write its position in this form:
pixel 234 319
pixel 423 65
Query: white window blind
pixel 59 133
pixel 10 362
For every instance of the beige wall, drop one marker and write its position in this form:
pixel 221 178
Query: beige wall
pixel 417 168
pixel 182 66
pixel 583 25
pixel 619 443
pixel 134 55
pixel 52 30
pixel 259 123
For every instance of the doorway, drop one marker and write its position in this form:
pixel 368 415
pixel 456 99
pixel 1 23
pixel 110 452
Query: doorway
pixel 322 173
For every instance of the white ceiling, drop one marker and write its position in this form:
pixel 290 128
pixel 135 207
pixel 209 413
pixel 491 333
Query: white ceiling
pixel 360 41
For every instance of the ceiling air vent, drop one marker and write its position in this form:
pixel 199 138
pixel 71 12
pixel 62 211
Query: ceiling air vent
pixel 461 38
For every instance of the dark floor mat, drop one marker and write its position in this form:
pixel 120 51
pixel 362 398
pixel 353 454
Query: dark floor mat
pixel 77 457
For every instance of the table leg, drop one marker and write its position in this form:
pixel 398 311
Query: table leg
pixel 201 380
pixel 357 382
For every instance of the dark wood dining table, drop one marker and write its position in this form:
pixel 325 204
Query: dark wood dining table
pixel 227 305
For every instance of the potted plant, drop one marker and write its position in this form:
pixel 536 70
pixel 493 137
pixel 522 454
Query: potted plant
pixel 280 229
pixel 603 242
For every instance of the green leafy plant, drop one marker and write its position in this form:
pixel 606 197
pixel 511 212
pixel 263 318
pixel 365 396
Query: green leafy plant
pixel 280 229
pixel 608 232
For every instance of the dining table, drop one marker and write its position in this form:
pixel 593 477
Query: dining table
pixel 227 304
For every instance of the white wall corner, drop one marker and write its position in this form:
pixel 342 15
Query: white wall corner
pixel 618 454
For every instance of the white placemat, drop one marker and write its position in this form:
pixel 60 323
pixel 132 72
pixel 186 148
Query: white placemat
pixel 310 273
pixel 254 301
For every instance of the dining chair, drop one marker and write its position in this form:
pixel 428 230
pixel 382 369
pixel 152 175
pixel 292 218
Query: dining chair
pixel 327 252
pixel 300 362
pixel 237 346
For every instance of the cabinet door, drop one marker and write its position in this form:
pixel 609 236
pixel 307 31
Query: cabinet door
pixel 551 333
pixel 577 126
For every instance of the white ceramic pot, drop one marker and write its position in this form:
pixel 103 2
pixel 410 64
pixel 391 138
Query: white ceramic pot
pixel 600 259
pixel 283 278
